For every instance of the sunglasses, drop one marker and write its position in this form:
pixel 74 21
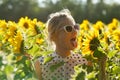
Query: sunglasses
pixel 69 28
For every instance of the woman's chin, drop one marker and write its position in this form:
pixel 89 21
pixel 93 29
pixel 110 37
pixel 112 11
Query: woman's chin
pixel 73 47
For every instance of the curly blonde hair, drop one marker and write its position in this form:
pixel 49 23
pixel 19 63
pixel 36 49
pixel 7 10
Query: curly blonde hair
pixel 55 20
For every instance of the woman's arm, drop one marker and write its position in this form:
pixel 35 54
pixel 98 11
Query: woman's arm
pixel 38 69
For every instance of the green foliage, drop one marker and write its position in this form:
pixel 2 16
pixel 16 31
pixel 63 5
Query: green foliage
pixel 80 76
pixel 20 65
pixel 92 75
pixel 55 66
pixel 112 53
pixel 82 73
pixel 98 54
pixel 47 59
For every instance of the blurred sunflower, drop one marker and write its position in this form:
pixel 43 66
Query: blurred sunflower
pixel 34 22
pixel 99 26
pixel 3 29
pixel 106 38
pixel 3 26
pixel 91 43
pixel 12 28
pixel 116 38
pixel 39 23
pixel 85 25
pixel 116 35
pixel 27 26
pixel 115 21
pixel 17 42
pixel 10 31
pixel 106 41
pixel 80 40
pixel 81 36
pixel 24 23
pixel 113 25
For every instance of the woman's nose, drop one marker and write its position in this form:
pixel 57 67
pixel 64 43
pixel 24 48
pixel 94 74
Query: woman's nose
pixel 74 31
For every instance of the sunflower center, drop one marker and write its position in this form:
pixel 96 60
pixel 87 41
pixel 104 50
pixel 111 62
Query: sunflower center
pixel 26 25
pixel 100 31
pixel 94 43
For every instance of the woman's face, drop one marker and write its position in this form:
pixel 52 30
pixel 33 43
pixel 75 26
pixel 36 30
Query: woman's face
pixel 66 36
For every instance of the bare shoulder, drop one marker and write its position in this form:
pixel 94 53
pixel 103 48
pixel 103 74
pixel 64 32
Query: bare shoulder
pixel 37 63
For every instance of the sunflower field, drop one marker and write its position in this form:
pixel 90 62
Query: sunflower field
pixel 22 42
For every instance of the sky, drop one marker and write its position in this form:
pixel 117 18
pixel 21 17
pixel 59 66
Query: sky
pixel 108 1
pixel 94 1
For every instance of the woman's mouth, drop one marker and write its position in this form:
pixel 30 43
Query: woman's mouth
pixel 74 42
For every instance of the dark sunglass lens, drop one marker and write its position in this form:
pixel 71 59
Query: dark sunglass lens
pixel 76 26
pixel 68 28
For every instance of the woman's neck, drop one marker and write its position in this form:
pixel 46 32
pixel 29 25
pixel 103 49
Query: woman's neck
pixel 62 52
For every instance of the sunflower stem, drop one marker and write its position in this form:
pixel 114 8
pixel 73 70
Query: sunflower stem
pixel 102 65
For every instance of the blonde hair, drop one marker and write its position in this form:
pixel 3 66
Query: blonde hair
pixel 54 21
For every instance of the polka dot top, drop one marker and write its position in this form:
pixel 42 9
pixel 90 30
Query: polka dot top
pixel 58 68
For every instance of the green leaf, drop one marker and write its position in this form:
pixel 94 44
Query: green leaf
pixel 47 59
pixel 34 50
pixel 9 69
pixel 1 61
pixel 112 53
pixel 80 76
pixel 45 53
pixel 116 70
pixel 22 47
pixel 29 42
pixel 91 75
pixel 28 63
pixel 54 67
pixel 99 54
pixel 37 28
pixel 22 74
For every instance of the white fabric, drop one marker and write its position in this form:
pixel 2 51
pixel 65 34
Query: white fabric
pixel 63 72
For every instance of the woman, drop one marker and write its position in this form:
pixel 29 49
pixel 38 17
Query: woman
pixel 62 30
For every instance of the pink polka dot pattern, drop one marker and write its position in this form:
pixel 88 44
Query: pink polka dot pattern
pixel 63 72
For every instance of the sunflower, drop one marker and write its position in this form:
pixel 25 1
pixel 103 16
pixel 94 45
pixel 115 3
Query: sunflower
pixel 91 43
pixel 99 26
pixel 24 23
pixel 85 25
pixel 3 27
pixel 113 25
pixel 116 35
pixel 12 27
pixel 17 41
pixel 115 21
pixel 116 38
pixel 27 26
pixel 3 24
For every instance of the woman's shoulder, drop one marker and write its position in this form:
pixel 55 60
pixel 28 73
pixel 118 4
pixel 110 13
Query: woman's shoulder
pixel 79 58
pixel 76 55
